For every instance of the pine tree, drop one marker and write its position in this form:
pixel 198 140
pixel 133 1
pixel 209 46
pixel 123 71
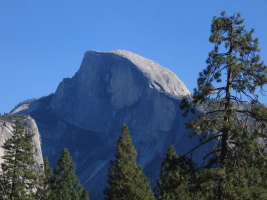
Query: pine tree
pixel 173 183
pixel 44 191
pixel 126 179
pixel 66 185
pixel 232 115
pixel 1 186
pixel 84 195
pixel 18 180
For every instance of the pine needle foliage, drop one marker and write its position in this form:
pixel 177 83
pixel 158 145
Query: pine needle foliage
pixel 175 174
pixel 126 179
pixel 44 191
pixel 231 114
pixel 18 179
pixel 65 183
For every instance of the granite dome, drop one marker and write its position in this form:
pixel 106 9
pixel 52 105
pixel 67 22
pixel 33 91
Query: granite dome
pixel 87 111
pixel 159 77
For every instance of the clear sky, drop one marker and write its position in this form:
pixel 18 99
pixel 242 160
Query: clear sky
pixel 42 42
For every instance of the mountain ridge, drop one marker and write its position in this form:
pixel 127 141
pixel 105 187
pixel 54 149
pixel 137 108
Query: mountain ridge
pixel 86 113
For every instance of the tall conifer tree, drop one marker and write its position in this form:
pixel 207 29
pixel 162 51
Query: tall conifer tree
pixel 126 179
pixel 232 115
pixel 173 183
pixel 66 185
pixel 44 191
pixel 18 180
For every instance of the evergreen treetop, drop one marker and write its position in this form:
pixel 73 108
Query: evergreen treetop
pixel 231 114
pixel 65 183
pixel 18 179
pixel 44 191
pixel 173 182
pixel 126 179
pixel 229 107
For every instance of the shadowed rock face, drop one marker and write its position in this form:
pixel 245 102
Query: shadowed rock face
pixel 87 111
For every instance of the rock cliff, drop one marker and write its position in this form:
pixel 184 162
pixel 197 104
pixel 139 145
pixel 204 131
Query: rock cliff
pixel 115 80
pixel 6 128
pixel 87 111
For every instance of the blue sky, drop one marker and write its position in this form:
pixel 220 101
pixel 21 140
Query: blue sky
pixel 42 42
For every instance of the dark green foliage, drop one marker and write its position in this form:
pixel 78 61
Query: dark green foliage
pixel 244 178
pixel 126 179
pixel 18 180
pixel 65 183
pixel 232 116
pixel 12 118
pixel 48 174
pixel 84 195
pixel 44 191
pixel 174 177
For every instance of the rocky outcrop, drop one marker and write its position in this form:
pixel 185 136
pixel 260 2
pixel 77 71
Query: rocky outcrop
pixel 87 111
pixel 111 81
pixel 6 130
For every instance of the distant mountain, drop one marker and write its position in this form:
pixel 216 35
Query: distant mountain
pixel 87 111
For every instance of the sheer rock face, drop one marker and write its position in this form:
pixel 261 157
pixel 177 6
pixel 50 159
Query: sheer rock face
pixel 30 127
pixel 87 111
pixel 111 81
